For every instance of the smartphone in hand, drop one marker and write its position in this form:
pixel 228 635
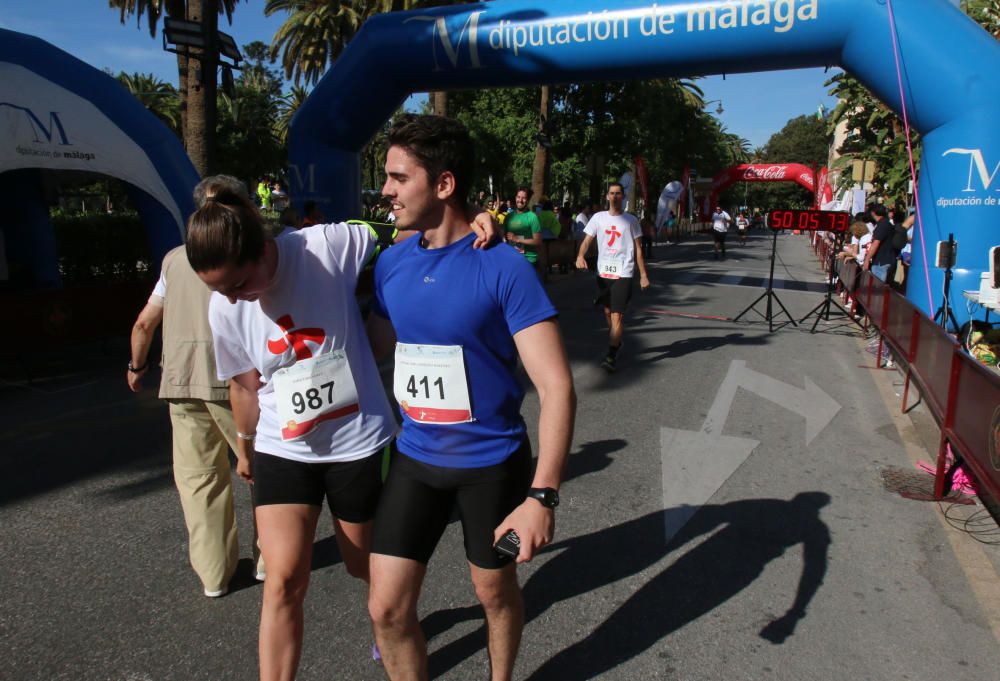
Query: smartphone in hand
pixel 508 545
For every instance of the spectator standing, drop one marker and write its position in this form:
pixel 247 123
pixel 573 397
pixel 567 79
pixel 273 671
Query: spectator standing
pixel 201 417
pixel 524 231
pixel 264 192
pixel 881 255
pixel 551 227
pixel 565 216
pixel 648 231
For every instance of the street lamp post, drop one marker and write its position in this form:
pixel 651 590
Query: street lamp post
pixel 718 110
pixel 199 40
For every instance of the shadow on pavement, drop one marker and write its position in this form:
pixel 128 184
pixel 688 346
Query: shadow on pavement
pixel 686 346
pixel 751 533
pixel 592 457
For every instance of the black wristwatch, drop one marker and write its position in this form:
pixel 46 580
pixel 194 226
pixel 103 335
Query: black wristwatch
pixel 546 496
pixel 135 369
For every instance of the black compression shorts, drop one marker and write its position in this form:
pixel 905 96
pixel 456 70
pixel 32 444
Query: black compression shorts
pixel 614 294
pixel 419 499
pixel 351 488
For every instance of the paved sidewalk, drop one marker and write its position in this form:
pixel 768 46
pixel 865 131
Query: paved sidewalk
pixel 723 517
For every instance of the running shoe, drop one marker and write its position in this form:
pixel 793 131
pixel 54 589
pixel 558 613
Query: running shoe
pixel 608 364
pixel 376 655
pixel 217 594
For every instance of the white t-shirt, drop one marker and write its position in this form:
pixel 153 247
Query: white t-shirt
pixel 863 243
pixel 159 291
pixel 308 311
pixel 720 221
pixel 615 236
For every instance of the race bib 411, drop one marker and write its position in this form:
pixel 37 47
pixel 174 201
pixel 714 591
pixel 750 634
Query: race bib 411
pixel 430 385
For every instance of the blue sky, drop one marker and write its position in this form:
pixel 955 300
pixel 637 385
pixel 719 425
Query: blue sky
pixel 755 105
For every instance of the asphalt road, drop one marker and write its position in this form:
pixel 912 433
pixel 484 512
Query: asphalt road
pixel 722 517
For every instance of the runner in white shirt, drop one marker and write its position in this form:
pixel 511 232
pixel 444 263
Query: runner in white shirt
pixel 310 411
pixel 720 226
pixel 742 225
pixel 619 253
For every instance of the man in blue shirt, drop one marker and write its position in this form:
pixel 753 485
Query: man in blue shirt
pixel 462 318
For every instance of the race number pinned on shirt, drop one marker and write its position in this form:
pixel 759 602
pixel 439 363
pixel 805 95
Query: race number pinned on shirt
pixel 611 266
pixel 312 391
pixel 430 385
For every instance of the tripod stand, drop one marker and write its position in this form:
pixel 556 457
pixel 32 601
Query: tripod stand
pixel 822 311
pixel 769 294
pixel 944 312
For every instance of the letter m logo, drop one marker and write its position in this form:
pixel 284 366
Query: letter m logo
pixel 452 49
pixel 977 163
pixel 40 129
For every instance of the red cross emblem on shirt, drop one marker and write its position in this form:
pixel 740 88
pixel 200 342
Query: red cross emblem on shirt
pixel 614 234
pixel 296 338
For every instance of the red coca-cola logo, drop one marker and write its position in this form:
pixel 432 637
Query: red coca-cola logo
pixel 768 173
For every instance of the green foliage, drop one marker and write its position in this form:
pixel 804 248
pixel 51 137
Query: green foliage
pixel 101 248
pixel 597 129
pixel 986 13
pixel 874 133
pixel 159 97
pixel 252 124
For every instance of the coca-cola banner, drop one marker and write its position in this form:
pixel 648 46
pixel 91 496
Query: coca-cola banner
pixel 763 172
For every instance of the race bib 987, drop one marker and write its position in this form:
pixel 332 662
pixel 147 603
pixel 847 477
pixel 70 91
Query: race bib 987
pixel 312 391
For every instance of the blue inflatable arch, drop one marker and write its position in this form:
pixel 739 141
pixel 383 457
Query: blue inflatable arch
pixel 59 114
pixel 948 67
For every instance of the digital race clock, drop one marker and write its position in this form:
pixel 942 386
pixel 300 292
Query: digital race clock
pixel 809 220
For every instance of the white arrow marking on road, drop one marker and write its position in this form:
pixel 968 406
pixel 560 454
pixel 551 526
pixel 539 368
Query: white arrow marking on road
pixel 697 463
pixel 695 466
pixel 816 406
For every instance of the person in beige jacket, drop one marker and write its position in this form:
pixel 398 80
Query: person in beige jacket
pixel 200 413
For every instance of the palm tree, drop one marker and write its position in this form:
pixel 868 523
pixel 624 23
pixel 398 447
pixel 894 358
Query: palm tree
pixel 287 106
pixel 158 96
pixel 313 35
pixel 690 93
pixel 541 150
pixel 317 31
pixel 197 93
pixel 739 148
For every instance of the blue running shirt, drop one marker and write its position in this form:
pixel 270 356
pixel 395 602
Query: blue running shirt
pixel 477 299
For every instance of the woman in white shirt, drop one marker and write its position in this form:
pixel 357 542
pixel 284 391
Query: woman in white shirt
pixel 310 411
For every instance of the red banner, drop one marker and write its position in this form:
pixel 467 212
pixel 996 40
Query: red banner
pixel 640 169
pixel 685 180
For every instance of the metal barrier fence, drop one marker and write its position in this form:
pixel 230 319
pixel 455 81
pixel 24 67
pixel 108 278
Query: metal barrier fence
pixel 962 394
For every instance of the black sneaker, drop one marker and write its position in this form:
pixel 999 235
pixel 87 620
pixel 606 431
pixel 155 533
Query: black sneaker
pixel 608 364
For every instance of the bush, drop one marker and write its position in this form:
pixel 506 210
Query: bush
pixel 101 248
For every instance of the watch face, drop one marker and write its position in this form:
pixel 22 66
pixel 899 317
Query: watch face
pixel 547 496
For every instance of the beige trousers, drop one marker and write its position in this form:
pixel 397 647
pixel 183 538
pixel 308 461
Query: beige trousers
pixel 203 433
